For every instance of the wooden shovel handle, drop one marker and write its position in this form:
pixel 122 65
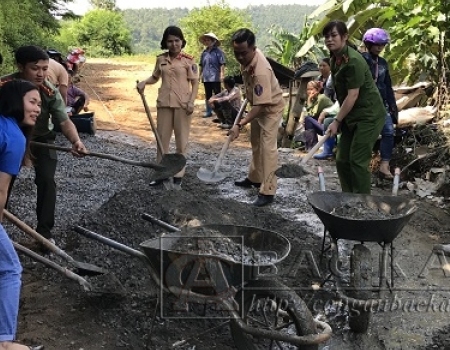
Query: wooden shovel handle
pixel 152 123
pixel 37 236
pixel 101 155
pixel 66 272
pixel 315 148
pixel 228 141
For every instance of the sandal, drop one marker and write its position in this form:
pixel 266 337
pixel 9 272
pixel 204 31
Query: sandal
pixel 37 347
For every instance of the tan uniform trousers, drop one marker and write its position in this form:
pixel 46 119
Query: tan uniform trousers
pixel 173 120
pixel 264 131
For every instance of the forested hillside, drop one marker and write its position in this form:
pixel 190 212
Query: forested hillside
pixel 147 25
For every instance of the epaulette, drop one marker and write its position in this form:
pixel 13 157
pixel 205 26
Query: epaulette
pixel 162 54
pixel 5 80
pixel 46 90
pixel 184 54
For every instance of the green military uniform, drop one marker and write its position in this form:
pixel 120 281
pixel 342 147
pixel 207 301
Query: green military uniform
pixel 362 125
pixel 45 160
pixel 174 95
pixel 262 89
pixel 316 107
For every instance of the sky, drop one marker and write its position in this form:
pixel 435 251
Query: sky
pixel 81 6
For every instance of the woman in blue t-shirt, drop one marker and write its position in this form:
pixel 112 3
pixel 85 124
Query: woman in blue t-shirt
pixel 20 105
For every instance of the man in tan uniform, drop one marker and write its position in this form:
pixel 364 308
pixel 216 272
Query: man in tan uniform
pixel 58 76
pixel 176 96
pixel 264 94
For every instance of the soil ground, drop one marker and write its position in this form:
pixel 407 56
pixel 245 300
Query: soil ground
pixel 110 199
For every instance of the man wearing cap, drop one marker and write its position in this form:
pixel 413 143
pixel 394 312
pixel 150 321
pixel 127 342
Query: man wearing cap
pixel 212 68
pixel 264 94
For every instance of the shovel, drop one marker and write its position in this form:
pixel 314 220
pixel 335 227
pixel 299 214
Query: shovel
pixel 83 268
pixel 97 285
pixel 214 176
pixel 298 170
pixel 166 158
pixel 168 167
pixel 66 272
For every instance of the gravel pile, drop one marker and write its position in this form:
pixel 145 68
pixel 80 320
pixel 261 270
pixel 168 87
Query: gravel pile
pixel 360 210
pixel 109 198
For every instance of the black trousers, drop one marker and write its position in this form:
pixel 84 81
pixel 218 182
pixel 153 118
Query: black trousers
pixel 44 161
pixel 212 88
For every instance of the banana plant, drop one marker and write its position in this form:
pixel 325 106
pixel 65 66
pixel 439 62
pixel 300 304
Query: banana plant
pixel 414 26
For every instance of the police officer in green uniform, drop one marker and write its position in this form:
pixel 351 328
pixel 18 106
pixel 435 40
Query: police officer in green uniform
pixel 362 113
pixel 32 63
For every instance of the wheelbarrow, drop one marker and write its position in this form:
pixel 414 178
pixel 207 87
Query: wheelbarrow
pixel 393 214
pixel 234 281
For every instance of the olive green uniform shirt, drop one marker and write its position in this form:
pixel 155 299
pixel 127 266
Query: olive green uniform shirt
pixel 53 108
pixel 352 72
pixel 318 105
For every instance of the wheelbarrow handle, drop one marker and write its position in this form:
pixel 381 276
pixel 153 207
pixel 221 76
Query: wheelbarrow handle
pixel 160 223
pixel 108 241
pixel 66 272
pixel 101 155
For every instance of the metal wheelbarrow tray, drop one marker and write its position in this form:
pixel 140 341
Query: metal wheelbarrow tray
pixel 267 249
pixel 363 230
pixel 175 263
pixel 382 229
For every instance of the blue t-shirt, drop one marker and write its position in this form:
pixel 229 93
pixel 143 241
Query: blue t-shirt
pixel 211 61
pixel 12 146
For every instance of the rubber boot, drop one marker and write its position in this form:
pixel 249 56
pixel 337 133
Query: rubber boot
pixel 328 147
pixel 208 112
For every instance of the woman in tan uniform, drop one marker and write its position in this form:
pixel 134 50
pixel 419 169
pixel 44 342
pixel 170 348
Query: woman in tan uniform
pixel 175 103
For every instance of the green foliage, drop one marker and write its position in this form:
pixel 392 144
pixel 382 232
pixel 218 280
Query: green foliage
pixel 285 46
pixel 25 22
pixel 219 19
pixel 101 32
pixel 414 26
pixel 109 5
pixel 289 17
pixel 147 26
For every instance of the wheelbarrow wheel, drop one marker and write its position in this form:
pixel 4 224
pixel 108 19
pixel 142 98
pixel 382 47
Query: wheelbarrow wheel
pixel 269 304
pixel 361 284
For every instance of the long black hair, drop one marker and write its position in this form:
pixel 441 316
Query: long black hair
pixel 12 104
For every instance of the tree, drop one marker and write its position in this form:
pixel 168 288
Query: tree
pixel 109 5
pixel 27 22
pixel 414 25
pixel 219 19
pixel 104 33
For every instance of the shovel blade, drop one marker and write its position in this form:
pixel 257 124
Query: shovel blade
pixel 172 163
pixel 86 269
pixel 208 176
